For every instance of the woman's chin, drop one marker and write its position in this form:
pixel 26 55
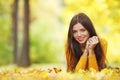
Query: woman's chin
pixel 82 42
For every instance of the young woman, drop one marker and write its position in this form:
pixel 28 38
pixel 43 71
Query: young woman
pixel 84 49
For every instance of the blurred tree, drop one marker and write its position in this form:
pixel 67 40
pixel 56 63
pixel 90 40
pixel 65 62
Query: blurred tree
pixel 46 32
pixel 24 57
pixel 15 31
pixel 21 58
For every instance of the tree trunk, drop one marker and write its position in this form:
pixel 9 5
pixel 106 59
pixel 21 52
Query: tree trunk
pixel 25 60
pixel 15 30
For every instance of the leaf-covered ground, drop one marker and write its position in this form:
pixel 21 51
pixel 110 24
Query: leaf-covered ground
pixel 56 73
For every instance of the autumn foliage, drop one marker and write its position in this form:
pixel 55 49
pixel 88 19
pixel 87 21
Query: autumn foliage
pixel 58 74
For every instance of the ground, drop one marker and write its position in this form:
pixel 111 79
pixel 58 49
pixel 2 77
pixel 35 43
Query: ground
pixel 55 72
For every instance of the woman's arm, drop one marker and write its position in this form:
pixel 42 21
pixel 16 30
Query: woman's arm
pixel 92 62
pixel 104 46
pixel 82 62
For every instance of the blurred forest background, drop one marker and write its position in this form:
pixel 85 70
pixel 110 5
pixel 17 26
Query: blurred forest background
pixel 34 31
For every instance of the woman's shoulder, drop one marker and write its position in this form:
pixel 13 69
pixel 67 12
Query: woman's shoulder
pixel 103 41
pixel 104 44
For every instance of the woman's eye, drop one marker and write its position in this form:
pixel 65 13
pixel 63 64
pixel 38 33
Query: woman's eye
pixel 82 30
pixel 74 32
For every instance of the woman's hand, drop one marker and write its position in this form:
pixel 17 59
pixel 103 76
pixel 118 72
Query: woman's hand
pixel 85 53
pixel 90 45
pixel 92 42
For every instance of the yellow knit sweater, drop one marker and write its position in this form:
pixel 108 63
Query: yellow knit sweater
pixel 90 61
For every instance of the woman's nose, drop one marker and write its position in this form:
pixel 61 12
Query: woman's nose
pixel 79 34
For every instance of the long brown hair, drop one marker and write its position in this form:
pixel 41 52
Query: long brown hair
pixel 73 49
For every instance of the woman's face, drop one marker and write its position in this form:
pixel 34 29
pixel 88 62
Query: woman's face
pixel 80 34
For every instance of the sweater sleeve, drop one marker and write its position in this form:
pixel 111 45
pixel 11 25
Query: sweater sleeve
pixel 104 46
pixel 81 63
pixel 92 62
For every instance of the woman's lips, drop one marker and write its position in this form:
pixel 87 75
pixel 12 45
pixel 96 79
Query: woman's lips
pixel 80 39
